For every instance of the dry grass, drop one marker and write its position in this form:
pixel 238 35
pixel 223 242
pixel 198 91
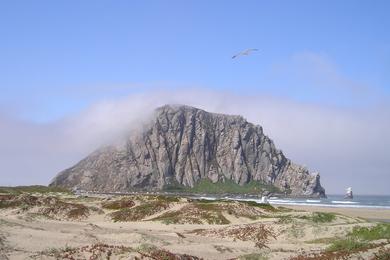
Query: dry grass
pixel 199 212
pixel 260 234
pixel 91 252
pixel 66 210
pixel 139 212
pixel 382 254
pixel 13 201
pixel 50 207
pixel 341 253
pixel 118 204
pixel 264 206
pixel 245 210
pixel 196 213
pixel 152 252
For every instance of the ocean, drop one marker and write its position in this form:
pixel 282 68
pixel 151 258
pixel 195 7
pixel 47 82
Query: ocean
pixel 337 201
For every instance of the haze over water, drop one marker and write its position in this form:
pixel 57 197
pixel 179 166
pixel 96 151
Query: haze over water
pixel 337 201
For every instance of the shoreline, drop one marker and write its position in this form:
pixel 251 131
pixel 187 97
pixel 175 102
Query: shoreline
pixel 377 215
pixel 248 197
pixel 344 206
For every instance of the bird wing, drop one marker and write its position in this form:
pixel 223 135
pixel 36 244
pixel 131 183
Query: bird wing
pixel 245 52
pixel 238 54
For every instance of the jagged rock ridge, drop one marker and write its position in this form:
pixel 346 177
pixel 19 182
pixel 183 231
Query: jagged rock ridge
pixel 184 144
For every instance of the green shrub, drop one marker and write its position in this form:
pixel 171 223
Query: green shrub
pixel 321 217
pixel 9 204
pixel 195 213
pixel 359 236
pixel 167 198
pixel 118 204
pixel 348 244
pixel 265 206
pixel 253 256
pixel 139 212
pixel 380 231
pixel 323 240
pixel 285 219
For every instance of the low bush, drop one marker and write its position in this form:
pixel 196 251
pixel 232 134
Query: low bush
pixel 118 204
pixel 382 254
pixel 195 213
pixel 346 245
pixel 139 212
pixel 380 231
pixel 320 217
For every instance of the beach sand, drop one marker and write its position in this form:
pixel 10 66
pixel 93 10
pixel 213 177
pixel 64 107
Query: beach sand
pixel 44 228
pixel 365 213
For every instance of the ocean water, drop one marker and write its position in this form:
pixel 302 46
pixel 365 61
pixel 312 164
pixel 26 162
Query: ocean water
pixel 359 201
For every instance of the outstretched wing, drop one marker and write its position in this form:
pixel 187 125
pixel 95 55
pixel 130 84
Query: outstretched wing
pixel 248 51
pixel 245 52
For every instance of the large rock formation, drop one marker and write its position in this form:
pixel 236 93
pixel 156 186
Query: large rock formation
pixel 182 145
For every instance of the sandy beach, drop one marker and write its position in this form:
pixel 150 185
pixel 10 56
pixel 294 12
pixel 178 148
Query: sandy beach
pixel 58 226
pixel 365 213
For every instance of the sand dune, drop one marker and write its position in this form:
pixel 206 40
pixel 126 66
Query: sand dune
pixel 155 227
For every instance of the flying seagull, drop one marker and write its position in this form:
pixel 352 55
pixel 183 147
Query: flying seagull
pixel 245 52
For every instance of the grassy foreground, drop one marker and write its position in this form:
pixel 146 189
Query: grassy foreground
pixel 40 223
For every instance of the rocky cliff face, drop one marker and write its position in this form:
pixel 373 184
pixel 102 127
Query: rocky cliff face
pixel 182 145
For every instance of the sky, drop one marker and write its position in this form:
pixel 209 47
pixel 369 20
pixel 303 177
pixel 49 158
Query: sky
pixel 76 74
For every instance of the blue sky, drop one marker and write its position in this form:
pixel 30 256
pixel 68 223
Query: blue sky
pixel 61 59
pixel 50 51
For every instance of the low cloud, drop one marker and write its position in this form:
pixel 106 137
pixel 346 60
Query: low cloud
pixel 349 147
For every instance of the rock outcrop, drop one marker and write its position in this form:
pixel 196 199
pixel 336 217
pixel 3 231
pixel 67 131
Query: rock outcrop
pixel 182 145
